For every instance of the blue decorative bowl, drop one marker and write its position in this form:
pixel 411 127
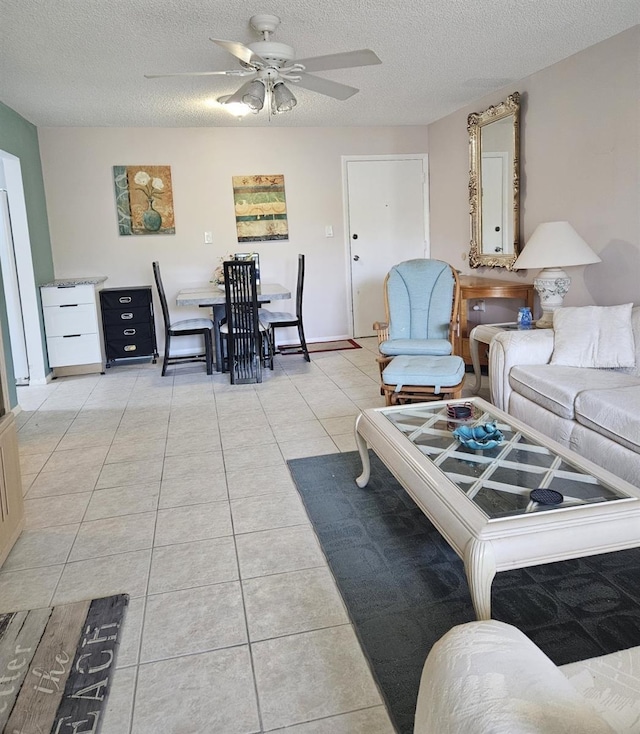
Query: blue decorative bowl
pixel 479 438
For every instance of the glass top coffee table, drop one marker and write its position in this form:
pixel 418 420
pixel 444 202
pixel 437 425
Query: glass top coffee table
pixel 479 500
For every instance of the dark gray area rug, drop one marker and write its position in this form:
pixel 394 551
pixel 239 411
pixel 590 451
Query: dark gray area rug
pixel 404 587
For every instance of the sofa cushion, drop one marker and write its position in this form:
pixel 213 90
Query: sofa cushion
pixel 612 413
pixel 556 388
pixel 599 337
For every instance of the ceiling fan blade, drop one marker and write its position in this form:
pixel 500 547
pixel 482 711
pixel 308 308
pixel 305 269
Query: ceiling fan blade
pixel 325 86
pixel 346 60
pixel 236 97
pixel 193 73
pixel 240 51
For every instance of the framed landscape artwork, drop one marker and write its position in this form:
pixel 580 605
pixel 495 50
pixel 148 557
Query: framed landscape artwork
pixel 260 208
pixel 144 199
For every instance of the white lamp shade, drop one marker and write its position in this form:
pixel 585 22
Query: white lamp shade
pixel 555 245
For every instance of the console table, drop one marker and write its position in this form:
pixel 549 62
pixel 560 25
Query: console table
pixel 473 287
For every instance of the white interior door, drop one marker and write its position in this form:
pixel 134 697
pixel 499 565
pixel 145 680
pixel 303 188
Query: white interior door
pixel 387 220
pixel 12 294
pixel 11 180
pixel 494 206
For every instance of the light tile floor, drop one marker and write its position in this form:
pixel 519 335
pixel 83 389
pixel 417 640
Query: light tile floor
pixel 175 490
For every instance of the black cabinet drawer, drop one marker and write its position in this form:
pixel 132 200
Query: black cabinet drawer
pixel 119 348
pixel 127 330
pixel 128 323
pixel 126 316
pixel 125 298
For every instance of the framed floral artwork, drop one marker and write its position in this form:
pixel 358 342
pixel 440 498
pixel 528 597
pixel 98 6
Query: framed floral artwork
pixel 144 199
pixel 260 208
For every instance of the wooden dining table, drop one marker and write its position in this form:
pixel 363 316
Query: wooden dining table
pixel 213 297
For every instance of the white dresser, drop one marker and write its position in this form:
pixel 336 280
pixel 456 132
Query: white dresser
pixel 73 326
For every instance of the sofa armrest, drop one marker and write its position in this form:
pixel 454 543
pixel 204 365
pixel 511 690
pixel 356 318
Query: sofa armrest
pixel 489 678
pixel 511 348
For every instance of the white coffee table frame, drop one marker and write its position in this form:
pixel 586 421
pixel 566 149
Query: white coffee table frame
pixel 489 545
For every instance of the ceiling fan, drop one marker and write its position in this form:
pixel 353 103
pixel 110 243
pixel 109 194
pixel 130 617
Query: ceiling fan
pixel 268 64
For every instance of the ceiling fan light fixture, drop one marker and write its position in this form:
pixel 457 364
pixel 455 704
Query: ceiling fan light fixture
pixel 254 96
pixel 283 99
pixel 237 109
pixel 266 65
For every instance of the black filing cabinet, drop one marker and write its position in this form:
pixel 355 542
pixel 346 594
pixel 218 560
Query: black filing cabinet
pixel 127 321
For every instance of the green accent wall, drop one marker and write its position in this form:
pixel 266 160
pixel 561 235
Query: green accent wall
pixel 20 138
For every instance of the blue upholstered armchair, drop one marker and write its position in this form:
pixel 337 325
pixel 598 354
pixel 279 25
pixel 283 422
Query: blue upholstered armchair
pixel 421 301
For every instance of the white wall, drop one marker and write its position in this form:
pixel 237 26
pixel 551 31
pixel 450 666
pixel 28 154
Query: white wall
pixel 77 167
pixel 580 161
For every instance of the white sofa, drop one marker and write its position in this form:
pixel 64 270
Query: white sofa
pixel 595 412
pixel 489 678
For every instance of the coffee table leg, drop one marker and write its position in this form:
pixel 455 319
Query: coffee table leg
pixel 363 479
pixel 480 567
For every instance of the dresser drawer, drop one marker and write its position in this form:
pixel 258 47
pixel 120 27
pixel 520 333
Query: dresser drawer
pixel 56 296
pixel 125 299
pixel 71 350
pixel 132 347
pixel 126 316
pixel 126 330
pixel 79 318
pixel 127 321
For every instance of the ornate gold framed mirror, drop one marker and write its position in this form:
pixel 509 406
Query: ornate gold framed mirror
pixel 494 184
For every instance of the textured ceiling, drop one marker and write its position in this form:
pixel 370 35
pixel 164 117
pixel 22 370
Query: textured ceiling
pixel 82 62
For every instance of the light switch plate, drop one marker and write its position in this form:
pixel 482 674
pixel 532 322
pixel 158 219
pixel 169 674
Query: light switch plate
pixel 208 238
pixel 328 231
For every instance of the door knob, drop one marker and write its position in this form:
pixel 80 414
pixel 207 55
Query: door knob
pixel 354 236
pixel 356 257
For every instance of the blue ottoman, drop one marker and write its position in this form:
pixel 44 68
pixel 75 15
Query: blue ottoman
pixel 410 378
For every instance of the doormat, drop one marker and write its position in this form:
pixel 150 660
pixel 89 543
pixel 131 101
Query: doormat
pixel 341 344
pixel 404 587
pixel 56 666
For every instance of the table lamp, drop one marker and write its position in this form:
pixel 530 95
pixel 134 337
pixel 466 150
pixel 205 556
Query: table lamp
pixel 553 246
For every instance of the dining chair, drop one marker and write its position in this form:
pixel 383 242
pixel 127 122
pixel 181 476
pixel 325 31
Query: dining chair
pixel 281 319
pixel 250 256
pixel 186 327
pixel 246 339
